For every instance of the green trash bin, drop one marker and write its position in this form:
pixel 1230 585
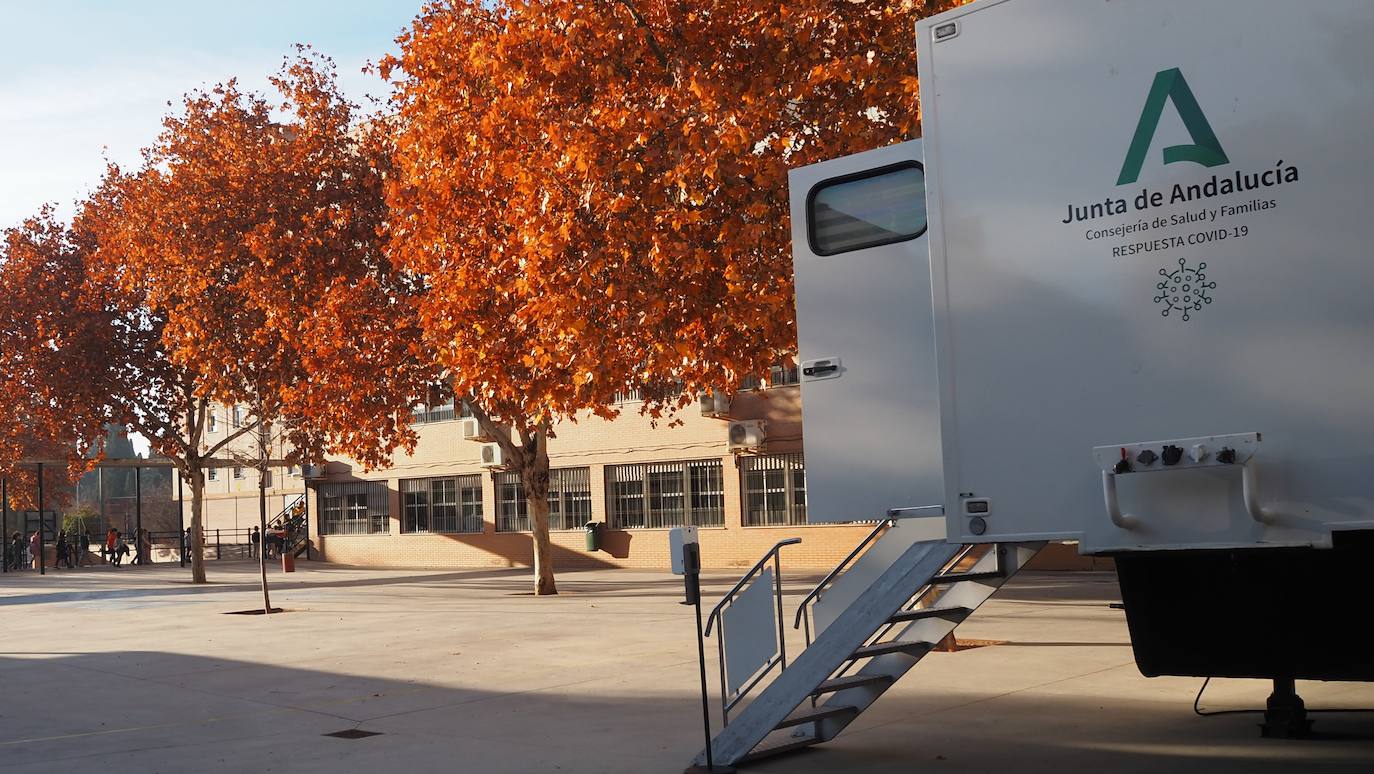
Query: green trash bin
pixel 593 536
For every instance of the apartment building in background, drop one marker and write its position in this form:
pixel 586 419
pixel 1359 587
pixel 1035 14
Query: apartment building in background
pixel 445 506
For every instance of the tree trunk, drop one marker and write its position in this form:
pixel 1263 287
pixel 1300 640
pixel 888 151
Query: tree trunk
pixel 197 475
pixel 262 541
pixel 535 476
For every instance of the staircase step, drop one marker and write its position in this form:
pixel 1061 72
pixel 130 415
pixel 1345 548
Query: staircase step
pixel 896 646
pixel 960 577
pixel 781 748
pixel 955 614
pixel 812 715
pixel 835 684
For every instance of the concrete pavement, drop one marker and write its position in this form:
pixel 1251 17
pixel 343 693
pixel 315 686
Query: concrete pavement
pixel 137 670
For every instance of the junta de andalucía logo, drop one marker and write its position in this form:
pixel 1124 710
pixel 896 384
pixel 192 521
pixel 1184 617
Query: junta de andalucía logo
pixel 1171 86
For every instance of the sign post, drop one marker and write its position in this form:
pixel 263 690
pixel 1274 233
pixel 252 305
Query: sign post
pixel 686 557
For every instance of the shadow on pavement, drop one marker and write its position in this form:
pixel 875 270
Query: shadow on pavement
pixel 155 711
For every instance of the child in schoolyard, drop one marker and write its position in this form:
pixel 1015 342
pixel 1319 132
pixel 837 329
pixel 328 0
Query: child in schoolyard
pixel 16 553
pixel 63 550
pixel 121 549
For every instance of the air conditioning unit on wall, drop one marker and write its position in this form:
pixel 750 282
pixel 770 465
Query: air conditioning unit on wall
pixel 747 435
pixel 492 456
pixel 715 404
pixel 472 431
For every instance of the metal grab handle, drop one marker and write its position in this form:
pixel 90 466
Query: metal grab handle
pixel 1249 484
pixel 1249 487
pixel 1121 520
pixel 820 369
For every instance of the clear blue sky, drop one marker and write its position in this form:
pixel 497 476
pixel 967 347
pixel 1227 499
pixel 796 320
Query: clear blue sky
pixel 83 78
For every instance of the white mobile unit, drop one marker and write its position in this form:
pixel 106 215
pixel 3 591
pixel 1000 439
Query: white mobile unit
pixel 869 400
pixel 1149 228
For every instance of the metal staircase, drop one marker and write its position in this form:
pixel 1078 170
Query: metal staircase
pixel 877 634
pixel 292 521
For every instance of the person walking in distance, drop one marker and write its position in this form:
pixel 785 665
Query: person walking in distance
pixel 63 550
pixel 254 540
pixel 16 553
pixel 35 547
pixel 83 546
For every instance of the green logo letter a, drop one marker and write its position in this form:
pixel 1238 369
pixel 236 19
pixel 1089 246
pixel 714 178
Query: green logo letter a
pixel 1205 150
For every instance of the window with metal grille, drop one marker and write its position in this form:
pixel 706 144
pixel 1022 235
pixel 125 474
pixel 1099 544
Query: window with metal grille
pixel 779 375
pixel 666 494
pixel 649 392
pixel 774 490
pixel 570 500
pixel 440 407
pixel 353 508
pixel 447 504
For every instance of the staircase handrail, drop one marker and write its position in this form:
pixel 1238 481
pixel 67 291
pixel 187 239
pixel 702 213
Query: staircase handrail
pixel 839 568
pixel 779 658
pixel 743 581
pixel 280 518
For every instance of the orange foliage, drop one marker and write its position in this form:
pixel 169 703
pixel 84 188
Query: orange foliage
pixel 596 192
pixel 47 332
pixel 254 229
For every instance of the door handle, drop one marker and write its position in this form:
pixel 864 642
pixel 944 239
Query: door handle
pixel 821 368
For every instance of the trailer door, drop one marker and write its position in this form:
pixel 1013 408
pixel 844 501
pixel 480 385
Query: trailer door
pixel 869 406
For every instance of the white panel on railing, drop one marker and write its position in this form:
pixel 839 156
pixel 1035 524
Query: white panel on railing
pixel 750 629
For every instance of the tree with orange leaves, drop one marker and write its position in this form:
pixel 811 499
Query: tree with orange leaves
pixel 596 191
pixel 256 239
pixel 241 265
pixel 46 331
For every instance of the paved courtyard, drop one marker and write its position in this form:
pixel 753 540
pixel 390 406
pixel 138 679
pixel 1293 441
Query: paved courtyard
pixel 462 671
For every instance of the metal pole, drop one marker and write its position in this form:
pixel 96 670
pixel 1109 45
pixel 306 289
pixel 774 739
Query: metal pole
pixel 42 565
pixel 138 515
pixel 5 523
pixel 216 543
pixel 691 570
pixel 705 702
pixel 182 540
pixel 305 498
pixel 777 580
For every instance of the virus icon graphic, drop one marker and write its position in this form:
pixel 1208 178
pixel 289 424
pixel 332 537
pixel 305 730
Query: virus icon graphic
pixel 1184 289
